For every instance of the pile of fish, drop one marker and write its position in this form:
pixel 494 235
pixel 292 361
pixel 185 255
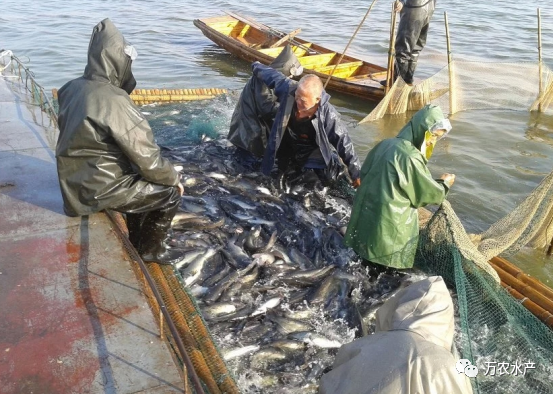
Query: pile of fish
pixel 267 265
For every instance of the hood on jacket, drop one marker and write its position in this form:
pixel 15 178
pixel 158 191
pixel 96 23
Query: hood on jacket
pixel 107 57
pixel 287 63
pixel 422 121
pixel 425 307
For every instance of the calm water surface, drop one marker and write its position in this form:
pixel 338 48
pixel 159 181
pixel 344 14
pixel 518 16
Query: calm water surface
pixel 498 156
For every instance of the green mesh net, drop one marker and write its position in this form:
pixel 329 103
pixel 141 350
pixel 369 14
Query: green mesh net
pixel 510 346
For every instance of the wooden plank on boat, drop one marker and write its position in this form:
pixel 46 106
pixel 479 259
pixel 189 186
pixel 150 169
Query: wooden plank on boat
pixel 317 60
pixel 292 34
pixel 342 71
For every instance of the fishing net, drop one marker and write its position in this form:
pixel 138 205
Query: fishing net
pixel 468 85
pixel 510 346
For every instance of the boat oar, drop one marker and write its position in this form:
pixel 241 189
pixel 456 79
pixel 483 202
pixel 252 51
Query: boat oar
pixel 349 42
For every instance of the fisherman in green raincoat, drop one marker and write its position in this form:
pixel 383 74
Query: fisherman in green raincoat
pixel 395 181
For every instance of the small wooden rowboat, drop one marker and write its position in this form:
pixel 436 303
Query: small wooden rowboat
pixel 251 41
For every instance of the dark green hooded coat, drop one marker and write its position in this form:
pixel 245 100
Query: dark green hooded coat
pixel 105 152
pixel 383 226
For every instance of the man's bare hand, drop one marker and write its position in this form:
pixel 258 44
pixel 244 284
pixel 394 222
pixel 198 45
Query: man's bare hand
pixel 181 189
pixel 448 179
pixel 356 183
pixel 398 6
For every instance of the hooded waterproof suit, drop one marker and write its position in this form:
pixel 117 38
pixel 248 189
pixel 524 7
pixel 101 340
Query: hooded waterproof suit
pixel 106 155
pixel 410 352
pixel 331 135
pixel 415 17
pixel 257 106
pixel 395 181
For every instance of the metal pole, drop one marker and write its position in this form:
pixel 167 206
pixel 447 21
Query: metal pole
pixel 540 57
pixel 453 108
pixel 349 42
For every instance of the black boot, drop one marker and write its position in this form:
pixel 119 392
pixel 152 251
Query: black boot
pixel 134 224
pixel 152 241
pixel 401 70
pixel 409 79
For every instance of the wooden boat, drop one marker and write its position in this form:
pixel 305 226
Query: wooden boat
pixel 244 37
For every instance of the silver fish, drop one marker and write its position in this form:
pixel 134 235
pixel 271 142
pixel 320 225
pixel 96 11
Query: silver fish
pixel 315 339
pixel 188 257
pixel 218 309
pixel 308 277
pixel 288 325
pixel 239 352
pixel 267 356
pixel 288 345
pixel 269 304
pixel 192 272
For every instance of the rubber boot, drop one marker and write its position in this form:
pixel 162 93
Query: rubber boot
pixel 409 79
pixel 134 224
pixel 401 70
pixel 152 241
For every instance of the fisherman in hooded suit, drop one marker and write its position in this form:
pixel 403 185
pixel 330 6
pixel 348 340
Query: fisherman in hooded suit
pixel 384 223
pixel 411 352
pixel 257 106
pixel 106 155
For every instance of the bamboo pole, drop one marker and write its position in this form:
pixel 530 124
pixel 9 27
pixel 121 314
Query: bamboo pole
pixel 522 276
pixel 540 56
pixel 349 42
pixel 525 289
pixel 453 108
pixel 540 313
pixel 390 62
pixel 146 96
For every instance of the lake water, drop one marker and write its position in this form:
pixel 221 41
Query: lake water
pixel 499 156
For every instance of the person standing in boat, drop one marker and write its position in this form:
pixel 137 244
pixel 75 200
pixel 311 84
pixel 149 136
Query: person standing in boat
pixel 256 108
pixel 415 16
pixel 308 136
pixel 106 155
pixel 384 223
